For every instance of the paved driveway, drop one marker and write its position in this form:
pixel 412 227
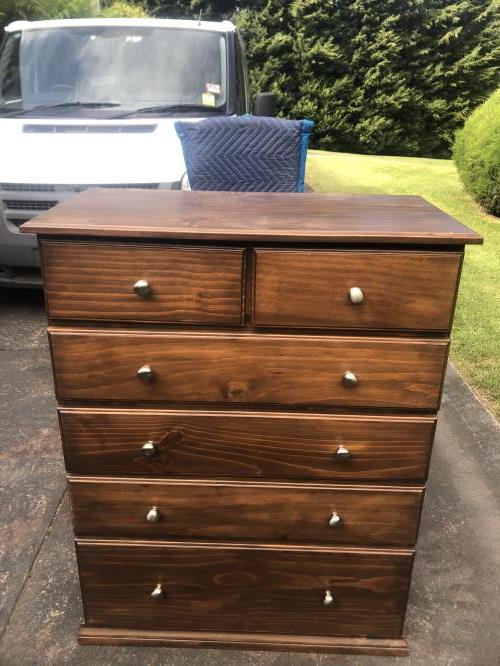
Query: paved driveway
pixel 454 611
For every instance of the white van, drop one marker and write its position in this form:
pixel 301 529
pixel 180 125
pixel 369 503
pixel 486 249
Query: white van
pixel 92 102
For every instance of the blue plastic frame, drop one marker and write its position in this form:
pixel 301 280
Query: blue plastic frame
pixel 307 126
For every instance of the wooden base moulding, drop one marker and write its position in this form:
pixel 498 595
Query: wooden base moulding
pixel 389 647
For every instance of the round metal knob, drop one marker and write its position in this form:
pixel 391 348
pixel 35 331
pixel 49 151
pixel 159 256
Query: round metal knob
pixel 342 453
pixel 153 515
pixel 157 593
pixel 148 449
pixel 142 288
pixel 335 520
pixel 145 373
pixel 356 295
pixel 349 379
pixel 328 600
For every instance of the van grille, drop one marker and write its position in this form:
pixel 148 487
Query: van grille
pixel 28 187
pixel 88 129
pixel 33 199
pixel 18 204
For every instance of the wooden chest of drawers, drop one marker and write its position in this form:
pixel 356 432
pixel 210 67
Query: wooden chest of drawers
pixel 248 387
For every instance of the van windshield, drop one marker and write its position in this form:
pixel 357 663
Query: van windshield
pixel 126 66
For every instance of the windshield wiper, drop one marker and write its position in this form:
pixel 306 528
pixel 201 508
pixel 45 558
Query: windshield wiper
pixel 172 108
pixel 64 105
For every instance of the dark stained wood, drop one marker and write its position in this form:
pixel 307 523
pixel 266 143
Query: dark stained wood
pixel 382 647
pixel 402 290
pixel 94 281
pixel 248 368
pixel 230 588
pixel 245 444
pixel 252 216
pixel 371 515
pixel 247 421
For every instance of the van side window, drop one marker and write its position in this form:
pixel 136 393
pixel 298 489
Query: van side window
pixel 242 87
pixel 9 69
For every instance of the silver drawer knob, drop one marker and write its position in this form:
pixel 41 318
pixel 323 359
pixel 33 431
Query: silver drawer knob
pixel 342 453
pixel 145 373
pixel 142 288
pixel 328 600
pixel 335 520
pixel 349 379
pixel 157 593
pixel 356 295
pixel 148 449
pixel 153 515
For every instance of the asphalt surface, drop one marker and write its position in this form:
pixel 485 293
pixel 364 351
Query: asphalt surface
pixel 454 610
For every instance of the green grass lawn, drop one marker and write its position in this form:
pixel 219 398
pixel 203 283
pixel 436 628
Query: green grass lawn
pixel 475 349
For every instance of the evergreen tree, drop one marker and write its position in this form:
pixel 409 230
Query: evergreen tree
pixel 268 32
pixel 170 8
pixel 210 9
pixel 395 77
pixel 460 66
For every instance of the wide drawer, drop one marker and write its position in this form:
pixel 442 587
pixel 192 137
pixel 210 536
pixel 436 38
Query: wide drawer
pixel 244 510
pixel 399 290
pixel 245 444
pixel 95 281
pixel 230 588
pixel 248 368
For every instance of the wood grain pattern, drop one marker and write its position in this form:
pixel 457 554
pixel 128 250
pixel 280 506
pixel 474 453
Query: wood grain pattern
pixel 381 647
pixel 94 281
pixel 274 590
pixel 247 368
pixel 245 444
pixel 371 515
pixel 252 216
pixel 246 423
pixel 402 290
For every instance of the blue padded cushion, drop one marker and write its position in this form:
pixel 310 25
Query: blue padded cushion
pixel 245 153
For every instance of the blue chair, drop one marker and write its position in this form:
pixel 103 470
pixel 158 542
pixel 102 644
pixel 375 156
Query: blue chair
pixel 245 153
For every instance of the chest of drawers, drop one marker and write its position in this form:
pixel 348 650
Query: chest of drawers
pixel 248 387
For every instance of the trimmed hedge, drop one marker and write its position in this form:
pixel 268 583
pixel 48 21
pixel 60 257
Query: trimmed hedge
pixel 477 154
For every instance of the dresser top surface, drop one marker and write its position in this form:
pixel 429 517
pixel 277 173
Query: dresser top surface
pixel 233 216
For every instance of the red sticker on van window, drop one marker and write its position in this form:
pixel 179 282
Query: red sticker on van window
pixel 213 88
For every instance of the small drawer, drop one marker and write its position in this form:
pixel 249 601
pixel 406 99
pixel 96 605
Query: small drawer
pixel 247 368
pixel 190 586
pixel 144 283
pixel 293 512
pixel 184 443
pixel 356 290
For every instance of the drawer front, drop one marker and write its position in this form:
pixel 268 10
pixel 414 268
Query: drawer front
pixel 95 281
pixel 400 290
pixel 245 510
pixel 230 588
pixel 211 444
pixel 247 368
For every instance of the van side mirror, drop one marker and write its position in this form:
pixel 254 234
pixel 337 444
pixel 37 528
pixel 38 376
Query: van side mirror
pixel 265 104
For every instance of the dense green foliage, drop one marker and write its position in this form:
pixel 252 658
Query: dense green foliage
pixel 123 9
pixel 477 154
pixel 398 76
pixel 15 10
pixel 216 9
